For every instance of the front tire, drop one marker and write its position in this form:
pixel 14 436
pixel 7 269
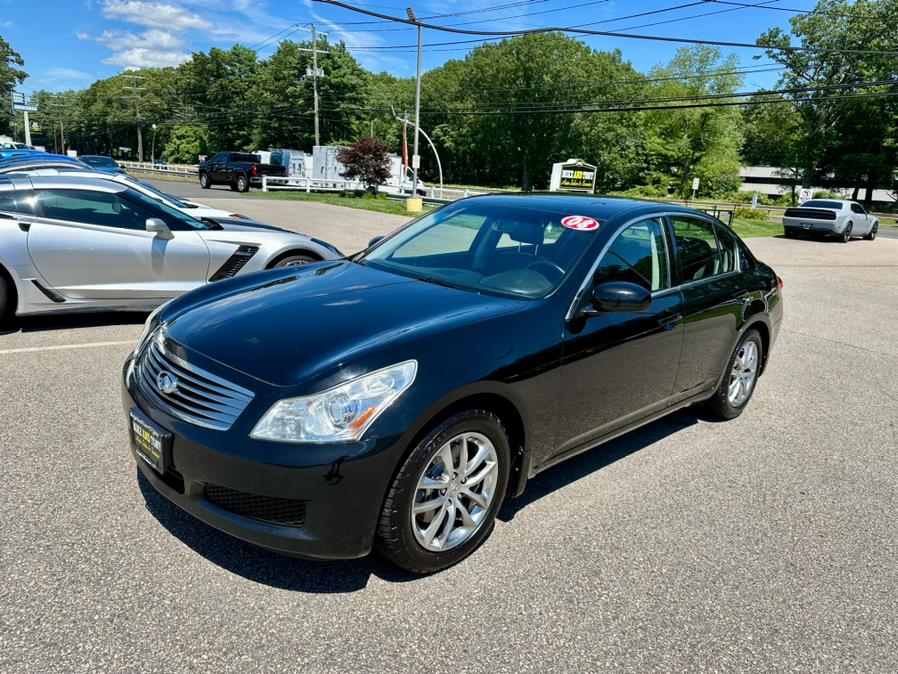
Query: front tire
pixel 740 378
pixel 294 261
pixel 443 501
pixel 204 181
pixel 4 300
pixel 871 235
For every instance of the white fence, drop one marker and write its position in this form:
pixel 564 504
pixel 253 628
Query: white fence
pixel 337 185
pixel 178 169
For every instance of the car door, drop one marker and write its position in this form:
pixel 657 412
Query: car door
pixel 861 219
pixel 217 167
pixel 713 297
pixel 93 244
pixel 620 367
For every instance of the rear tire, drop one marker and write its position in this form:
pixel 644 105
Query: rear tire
pixel 4 294
pixel 845 236
pixel 402 535
pixel 730 400
pixel 242 184
pixel 204 181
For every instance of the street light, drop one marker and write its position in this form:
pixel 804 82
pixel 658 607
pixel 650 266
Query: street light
pixel 153 147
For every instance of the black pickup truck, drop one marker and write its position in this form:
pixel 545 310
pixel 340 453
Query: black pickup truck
pixel 240 170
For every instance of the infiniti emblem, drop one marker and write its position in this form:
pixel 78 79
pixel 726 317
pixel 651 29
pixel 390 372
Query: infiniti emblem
pixel 167 382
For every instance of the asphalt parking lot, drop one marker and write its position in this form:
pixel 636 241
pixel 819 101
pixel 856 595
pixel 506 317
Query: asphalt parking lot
pixel 768 543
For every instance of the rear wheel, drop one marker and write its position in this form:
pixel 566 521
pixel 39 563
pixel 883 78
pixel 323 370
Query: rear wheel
pixel 242 183
pixel 4 295
pixel 845 237
pixel 204 181
pixel 443 502
pixel 871 235
pixel 738 382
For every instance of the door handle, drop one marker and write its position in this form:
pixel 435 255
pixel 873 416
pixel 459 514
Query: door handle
pixel 669 321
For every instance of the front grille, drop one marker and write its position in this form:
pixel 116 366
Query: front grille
pixel 285 512
pixel 186 391
pixel 809 213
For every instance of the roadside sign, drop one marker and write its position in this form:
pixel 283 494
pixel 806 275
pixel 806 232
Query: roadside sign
pixel 21 107
pixel 18 98
pixel 416 161
pixel 805 193
pixel 574 175
pixel 694 184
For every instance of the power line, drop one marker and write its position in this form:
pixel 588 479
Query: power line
pixel 583 31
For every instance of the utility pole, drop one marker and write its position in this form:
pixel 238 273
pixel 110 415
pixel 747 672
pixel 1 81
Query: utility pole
pixel 315 81
pixel 60 107
pixel 136 99
pixel 416 159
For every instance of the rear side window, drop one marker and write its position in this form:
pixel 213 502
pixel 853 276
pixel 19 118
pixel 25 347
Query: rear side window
pixel 638 255
pixel 697 248
pixel 17 202
pixel 729 249
pixel 245 157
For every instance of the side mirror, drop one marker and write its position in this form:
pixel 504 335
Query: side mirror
pixel 620 296
pixel 376 240
pixel 157 225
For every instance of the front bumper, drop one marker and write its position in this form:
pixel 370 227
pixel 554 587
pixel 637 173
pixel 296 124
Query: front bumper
pixel 331 495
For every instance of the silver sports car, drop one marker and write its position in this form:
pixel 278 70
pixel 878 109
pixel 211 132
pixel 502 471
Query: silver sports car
pixel 835 217
pixel 72 243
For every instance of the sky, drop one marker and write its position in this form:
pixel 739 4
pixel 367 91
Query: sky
pixel 67 44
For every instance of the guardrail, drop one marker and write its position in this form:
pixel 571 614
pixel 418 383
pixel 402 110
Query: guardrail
pixel 177 169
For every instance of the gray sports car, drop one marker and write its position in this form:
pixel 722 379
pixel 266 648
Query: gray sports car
pixel 73 243
pixel 831 217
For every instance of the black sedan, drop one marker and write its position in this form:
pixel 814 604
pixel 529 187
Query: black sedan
pixel 392 400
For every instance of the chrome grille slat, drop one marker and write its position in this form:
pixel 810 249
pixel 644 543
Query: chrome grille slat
pixel 201 398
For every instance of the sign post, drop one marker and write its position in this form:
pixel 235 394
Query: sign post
pixel 694 187
pixel 18 103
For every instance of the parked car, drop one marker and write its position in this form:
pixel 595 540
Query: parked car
pixel 27 161
pixel 72 243
pixel 831 217
pixel 102 164
pixel 239 170
pixel 192 208
pixel 395 398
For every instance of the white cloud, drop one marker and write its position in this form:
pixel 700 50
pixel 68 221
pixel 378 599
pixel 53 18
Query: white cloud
pixel 142 57
pixel 154 15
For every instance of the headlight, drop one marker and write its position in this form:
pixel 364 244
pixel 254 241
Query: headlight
pixel 149 325
pixel 339 414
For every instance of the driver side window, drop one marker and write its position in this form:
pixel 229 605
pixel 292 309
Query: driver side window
pixel 638 255
pixel 94 208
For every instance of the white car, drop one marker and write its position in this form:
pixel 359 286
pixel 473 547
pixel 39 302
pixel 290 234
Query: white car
pixel 831 217
pixel 192 208
pixel 72 242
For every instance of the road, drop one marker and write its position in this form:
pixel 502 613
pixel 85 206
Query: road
pixel 768 543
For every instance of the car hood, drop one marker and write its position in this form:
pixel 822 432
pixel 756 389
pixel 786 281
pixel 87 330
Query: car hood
pixel 236 225
pixel 288 326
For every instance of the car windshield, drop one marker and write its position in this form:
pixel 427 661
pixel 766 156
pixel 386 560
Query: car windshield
pixel 102 162
pixel 486 247
pixel 174 213
pixel 816 203
pixel 162 195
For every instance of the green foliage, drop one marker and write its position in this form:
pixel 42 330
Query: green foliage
pixel 185 145
pixel 10 76
pixel 750 214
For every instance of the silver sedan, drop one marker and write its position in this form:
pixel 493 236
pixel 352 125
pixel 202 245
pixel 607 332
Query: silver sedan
pixel 833 217
pixel 72 243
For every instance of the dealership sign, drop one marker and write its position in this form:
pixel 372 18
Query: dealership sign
pixel 573 175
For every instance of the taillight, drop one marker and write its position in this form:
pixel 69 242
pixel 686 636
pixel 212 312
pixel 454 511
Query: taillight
pixel 255 170
pixel 779 282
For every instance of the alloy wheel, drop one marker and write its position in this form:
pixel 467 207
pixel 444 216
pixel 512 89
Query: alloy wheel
pixel 743 374
pixel 454 492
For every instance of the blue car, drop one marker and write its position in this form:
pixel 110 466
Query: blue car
pixel 14 161
pixel 102 164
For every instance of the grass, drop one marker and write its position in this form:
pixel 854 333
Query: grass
pixel 391 207
pixel 748 229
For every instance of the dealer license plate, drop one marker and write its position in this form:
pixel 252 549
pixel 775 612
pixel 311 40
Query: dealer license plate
pixel 149 441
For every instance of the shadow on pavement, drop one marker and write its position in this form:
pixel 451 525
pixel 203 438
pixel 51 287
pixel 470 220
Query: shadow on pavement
pixel 70 321
pixel 290 573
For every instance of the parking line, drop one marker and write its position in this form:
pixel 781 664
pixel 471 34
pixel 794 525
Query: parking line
pixel 64 347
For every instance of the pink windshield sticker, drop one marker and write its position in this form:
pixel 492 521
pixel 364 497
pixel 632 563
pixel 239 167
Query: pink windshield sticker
pixel 580 223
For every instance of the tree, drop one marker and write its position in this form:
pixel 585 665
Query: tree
pixel 366 160
pixel 187 143
pixel 10 76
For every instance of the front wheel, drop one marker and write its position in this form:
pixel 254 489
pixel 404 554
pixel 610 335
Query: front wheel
pixel 204 181
pixel 846 235
pixel 871 235
pixel 294 260
pixel 443 501
pixel 738 382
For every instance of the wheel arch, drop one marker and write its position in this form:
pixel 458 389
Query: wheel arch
pixel 293 251
pixel 13 290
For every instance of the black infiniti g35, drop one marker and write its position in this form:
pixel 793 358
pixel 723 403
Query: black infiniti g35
pixel 392 400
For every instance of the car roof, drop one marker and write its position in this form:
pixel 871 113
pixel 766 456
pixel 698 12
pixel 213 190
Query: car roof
pixel 600 207
pixel 73 180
